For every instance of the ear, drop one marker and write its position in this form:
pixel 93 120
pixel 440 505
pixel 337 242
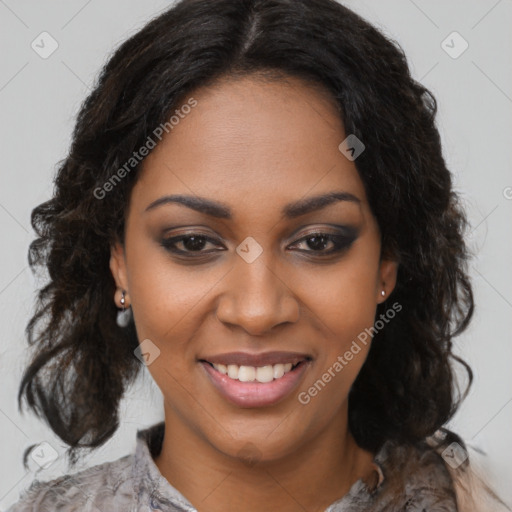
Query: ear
pixel 118 266
pixel 387 279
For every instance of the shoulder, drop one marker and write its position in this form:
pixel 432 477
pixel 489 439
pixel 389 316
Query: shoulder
pixel 418 478
pixel 98 486
pixel 438 476
pixel 473 488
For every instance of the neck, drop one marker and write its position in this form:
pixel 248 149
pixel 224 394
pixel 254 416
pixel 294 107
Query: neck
pixel 212 481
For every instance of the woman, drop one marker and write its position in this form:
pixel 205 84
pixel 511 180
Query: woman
pixel 256 207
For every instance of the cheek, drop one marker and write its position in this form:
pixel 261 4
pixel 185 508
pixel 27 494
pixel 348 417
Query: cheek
pixel 166 304
pixel 345 307
pixel 344 298
pixel 343 304
pixel 165 298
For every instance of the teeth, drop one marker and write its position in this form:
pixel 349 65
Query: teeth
pixel 251 373
pixel 246 373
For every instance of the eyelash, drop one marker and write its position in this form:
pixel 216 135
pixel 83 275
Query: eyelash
pixel 341 243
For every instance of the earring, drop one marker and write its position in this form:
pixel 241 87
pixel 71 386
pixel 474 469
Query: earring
pixel 383 293
pixel 125 315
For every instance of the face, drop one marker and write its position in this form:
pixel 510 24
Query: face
pixel 252 275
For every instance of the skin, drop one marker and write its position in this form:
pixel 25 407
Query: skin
pixel 255 146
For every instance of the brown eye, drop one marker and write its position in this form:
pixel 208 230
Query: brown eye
pixel 191 243
pixel 318 242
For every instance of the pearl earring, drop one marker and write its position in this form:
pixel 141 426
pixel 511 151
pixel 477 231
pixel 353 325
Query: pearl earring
pixel 125 315
pixel 383 293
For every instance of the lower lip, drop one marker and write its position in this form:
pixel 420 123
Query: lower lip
pixel 255 394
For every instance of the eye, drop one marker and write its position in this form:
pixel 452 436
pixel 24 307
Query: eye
pixel 318 242
pixel 191 243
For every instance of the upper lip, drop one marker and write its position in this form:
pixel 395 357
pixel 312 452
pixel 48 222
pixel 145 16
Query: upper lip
pixel 263 359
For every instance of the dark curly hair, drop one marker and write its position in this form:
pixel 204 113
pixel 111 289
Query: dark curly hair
pixel 82 361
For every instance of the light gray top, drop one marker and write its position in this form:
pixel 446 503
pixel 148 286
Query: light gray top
pixel 408 479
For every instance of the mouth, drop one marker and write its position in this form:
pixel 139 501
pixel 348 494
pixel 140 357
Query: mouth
pixel 261 374
pixel 256 385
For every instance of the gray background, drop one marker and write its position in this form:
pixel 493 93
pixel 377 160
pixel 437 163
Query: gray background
pixel 40 97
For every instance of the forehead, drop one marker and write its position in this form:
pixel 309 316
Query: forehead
pixel 252 141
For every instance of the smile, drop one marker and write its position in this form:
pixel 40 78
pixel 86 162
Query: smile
pixel 261 374
pixel 255 386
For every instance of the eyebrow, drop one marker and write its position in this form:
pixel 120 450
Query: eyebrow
pixel 222 211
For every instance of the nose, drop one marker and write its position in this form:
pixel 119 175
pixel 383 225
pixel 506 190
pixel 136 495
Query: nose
pixel 256 297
